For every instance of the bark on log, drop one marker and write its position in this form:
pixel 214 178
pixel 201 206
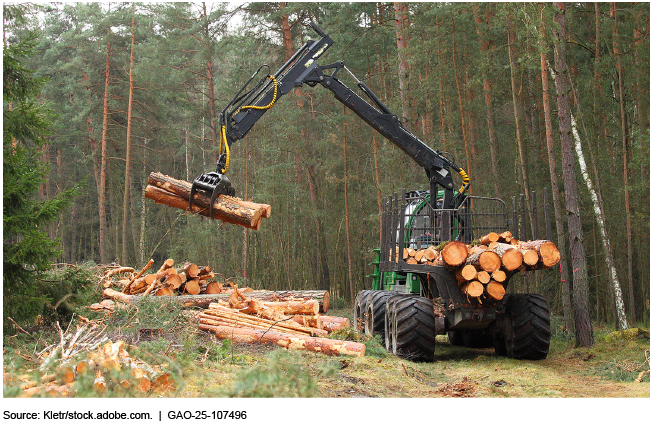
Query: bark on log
pixel 313 344
pixel 547 251
pixel 240 323
pixel 120 270
pixel 203 301
pixel 337 322
pixel 485 260
pixel 511 257
pixel 454 253
pixel 489 238
pixel 312 321
pixel 307 307
pixel 226 313
pixel 226 208
pixel 138 275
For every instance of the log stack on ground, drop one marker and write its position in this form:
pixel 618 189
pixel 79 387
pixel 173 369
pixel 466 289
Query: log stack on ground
pixel 175 193
pixel 289 324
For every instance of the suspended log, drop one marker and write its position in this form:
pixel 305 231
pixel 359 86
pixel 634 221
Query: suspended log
pixel 485 260
pixel 511 257
pixel 288 341
pixel 454 253
pixel 226 208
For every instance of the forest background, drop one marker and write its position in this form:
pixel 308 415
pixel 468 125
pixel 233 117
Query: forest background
pixel 137 88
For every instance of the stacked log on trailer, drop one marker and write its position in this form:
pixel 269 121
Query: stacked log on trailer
pixel 292 324
pixel 175 193
pixel 482 268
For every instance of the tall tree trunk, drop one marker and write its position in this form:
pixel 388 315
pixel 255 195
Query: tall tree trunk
pixel 103 227
pixel 555 190
pixel 402 24
pixel 211 96
pixel 440 87
pixel 245 246
pixel 347 210
pixel 515 81
pixel 126 204
pixel 460 99
pixel 143 211
pixel 486 45
pixel 626 158
pixel 584 330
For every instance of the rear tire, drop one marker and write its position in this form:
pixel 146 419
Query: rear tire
pixel 414 328
pixel 360 309
pixel 376 312
pixel 527 325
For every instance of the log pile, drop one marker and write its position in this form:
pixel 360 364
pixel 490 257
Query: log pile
pixel 294 324
pixel 175 193
pixel 83 350
pixel 481 269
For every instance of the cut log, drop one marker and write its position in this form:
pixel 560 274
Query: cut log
pixel 337 322
pixel 472 288
pixel 138 275
pixel 160 275
pixel 483 277
pixel 206 276
pixel 120 270
pixel 166 265
pixel 205 270
pixel 466 273
pixel 430 254
pixel 165 291
pixel 163 383
pixel 499 276
pixel 191 270
pixel 485 260
pixel 192 286
pixel 495 290
pixel 511 257
pixel 530 257
pixel 213 288
pixel 411 260
pixel 454 253
pixel 174 281
pixel 547 251
pixel 203 301
pixel 66 373
pixel 419 254
pixel 226 208
pixel 288 341
pixel 312 321
pixel 143 384
pixel 489 238
pixel 505 237
pixel 84 366
pixel 307 307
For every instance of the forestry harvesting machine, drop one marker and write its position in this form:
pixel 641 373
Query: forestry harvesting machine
pixel 409 304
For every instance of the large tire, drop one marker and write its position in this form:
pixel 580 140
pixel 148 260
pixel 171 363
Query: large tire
pixel 376 312
pixel 414 328
pixel 456 337
pixel 528 327
pixel 360 310
pixel 389 321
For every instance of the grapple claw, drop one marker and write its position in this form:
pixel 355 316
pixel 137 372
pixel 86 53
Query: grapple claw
pixel 212 184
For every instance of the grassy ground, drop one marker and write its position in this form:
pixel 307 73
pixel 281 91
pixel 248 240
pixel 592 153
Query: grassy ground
pixel 206 367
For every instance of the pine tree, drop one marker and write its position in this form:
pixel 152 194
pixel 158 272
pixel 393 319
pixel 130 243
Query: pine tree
pixel 27 249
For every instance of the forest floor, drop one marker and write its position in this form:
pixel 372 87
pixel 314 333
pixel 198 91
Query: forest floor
pixel 206 367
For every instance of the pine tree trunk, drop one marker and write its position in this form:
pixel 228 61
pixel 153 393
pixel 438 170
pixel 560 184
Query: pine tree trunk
pixel 401 27
pixel 347 211
pixel 584 331
pixel 440 89
pixel 555 190
pixel 211 95
pixel 126 204
pixel 626 158
pixel 103 227
pixel 486 45
pixel 460 99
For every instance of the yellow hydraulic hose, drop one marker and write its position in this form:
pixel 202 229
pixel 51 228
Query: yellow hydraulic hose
pixel 465 178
